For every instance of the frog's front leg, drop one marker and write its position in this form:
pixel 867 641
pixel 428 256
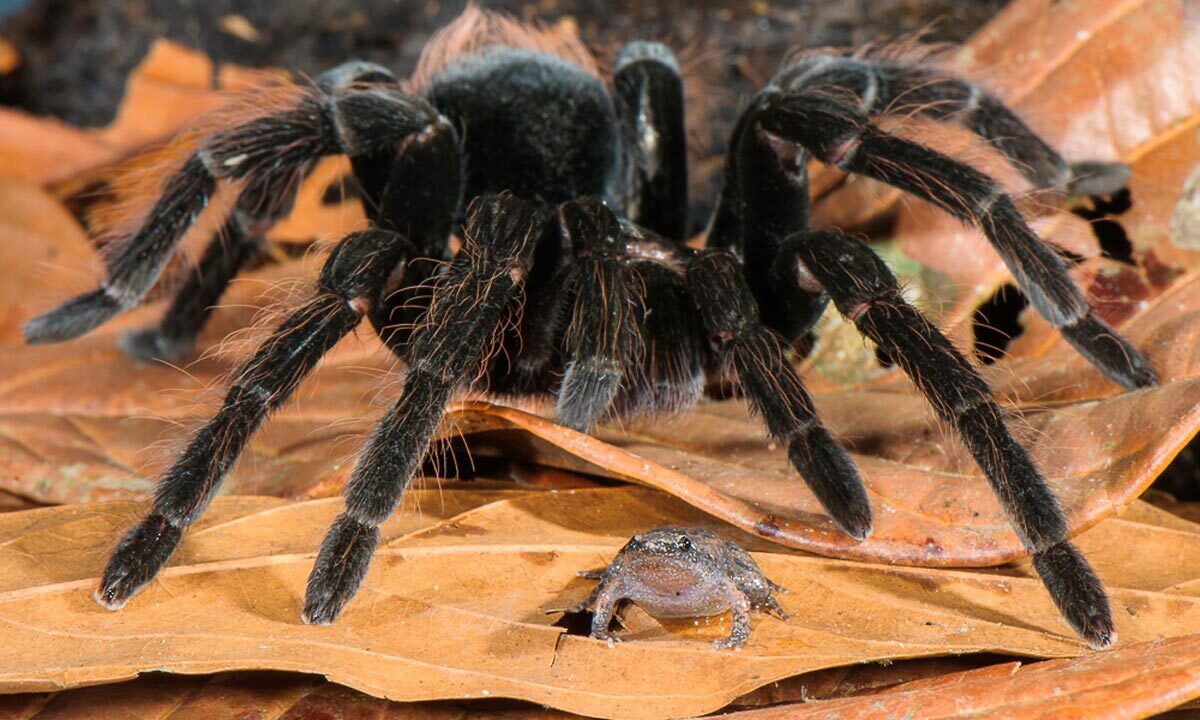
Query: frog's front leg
pixel 606 598
pixel 740 605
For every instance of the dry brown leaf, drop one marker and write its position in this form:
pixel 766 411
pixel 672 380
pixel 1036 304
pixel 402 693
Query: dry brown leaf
pixel 46 150
pixel 261 696
pixel 459 603
pixel 1132 682
pixel 291 696
pixel 279 696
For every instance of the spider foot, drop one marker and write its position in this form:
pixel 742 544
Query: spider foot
pixel 1098 178
pixel 1109 351
pixel 139 556
pixel 339 570
pixel 1078 593
pixel 73 318
pixel 834 479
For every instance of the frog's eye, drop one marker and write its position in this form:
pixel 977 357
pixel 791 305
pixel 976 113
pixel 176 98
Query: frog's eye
pixel 683 542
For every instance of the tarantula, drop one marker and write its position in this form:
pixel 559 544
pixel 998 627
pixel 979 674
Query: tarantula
pixel 573 279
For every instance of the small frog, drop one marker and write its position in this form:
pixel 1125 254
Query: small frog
pixel 677 572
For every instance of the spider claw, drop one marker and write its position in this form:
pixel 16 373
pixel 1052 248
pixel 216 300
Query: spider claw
pixel 855 522
pixel 1078 593
pixel 139 556
pixel 74 318
pixel 339 570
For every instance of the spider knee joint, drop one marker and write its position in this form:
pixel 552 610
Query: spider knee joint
pixel 889 297
pixel 984 207
pixel 360 265
pixel 842 154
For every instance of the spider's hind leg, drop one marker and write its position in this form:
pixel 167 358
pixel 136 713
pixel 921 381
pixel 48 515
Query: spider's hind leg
pixel 840 134
pixel 266 158
pixel 172 338
pixel 888 86
pixel 866 292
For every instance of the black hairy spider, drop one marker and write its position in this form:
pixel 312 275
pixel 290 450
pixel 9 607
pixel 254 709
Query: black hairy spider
pixel 574 279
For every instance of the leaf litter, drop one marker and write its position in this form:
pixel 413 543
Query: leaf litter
pixel 461 598
pixel 67 436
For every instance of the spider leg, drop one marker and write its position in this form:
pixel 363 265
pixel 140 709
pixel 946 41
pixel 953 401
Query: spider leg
pixel 229 250
pixel 232 247
pixel 534 344
pixel 356 277
pixel 756 353
pixel 349 282
pixel 942 96
pixel 470 303
pixel 602 339
pixel 866 292
pixel 882 86
pixel 267 157
pixel 764 200
pixel 839 134
pixel 648 89
pixel 670 378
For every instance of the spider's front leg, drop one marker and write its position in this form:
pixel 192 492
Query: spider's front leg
pixel 839 134
pixel 350 282
pixel 756 354
pixel 602 340
pixel 866 292
pixel 465 318
pixel 632 343
pixel 648 89
pixel 356 280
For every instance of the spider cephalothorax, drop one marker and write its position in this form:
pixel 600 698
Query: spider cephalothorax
pixel 574 280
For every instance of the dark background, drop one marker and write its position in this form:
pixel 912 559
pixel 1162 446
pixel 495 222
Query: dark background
pixel 76 54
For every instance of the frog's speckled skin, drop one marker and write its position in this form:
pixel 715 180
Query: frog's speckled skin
pixel 677 572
